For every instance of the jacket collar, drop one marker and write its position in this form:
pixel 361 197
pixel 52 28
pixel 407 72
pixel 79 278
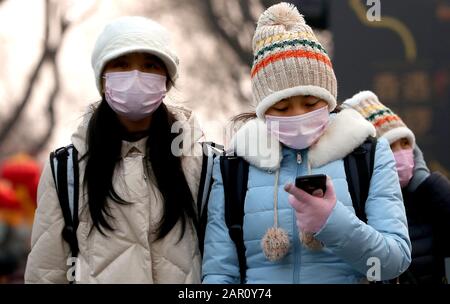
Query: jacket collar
pixel 346 131
pixel 181 114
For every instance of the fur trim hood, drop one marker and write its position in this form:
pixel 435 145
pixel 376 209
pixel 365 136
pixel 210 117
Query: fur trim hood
pixel 346 131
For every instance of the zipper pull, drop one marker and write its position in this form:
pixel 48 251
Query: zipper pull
pixel 299 157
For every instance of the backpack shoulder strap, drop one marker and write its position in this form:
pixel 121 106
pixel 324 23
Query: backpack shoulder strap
pixel 235 176
pixel 210 152
pixel 359 169
pixel 64 165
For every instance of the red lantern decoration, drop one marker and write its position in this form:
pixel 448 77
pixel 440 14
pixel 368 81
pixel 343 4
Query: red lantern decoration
pixel 23 173
pixel 22 170
pixel 8 198
pixel 10 206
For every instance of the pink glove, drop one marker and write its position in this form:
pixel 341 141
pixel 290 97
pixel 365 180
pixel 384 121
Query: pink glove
pixel 312 211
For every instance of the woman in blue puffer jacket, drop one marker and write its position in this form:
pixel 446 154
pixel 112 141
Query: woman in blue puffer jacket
pixel 291 236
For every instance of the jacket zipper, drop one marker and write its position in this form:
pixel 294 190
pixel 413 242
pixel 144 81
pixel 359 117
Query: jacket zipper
pixel 297 249
pixel 299 161
pixel 299 157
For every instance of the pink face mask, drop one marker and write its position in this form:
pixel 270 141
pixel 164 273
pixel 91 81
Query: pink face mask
pixel 300 131
pixel 134 94
pixel 405 164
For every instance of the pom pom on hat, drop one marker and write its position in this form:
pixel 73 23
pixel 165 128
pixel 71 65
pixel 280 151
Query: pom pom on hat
pixel 285 14
pixel 289 60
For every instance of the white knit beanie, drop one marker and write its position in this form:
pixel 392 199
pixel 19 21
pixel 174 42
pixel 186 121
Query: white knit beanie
pixel 133 34
pixel 289 60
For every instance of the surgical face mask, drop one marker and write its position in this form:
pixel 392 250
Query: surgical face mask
pixel 405 164
pixel 300 131
pixel 134 94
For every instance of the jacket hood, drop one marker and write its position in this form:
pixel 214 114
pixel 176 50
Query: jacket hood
pixel 346 131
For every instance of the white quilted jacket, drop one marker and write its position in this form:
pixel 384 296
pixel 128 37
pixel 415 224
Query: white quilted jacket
pixel 129 254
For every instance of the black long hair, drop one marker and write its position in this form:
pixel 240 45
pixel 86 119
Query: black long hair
pixel 104 142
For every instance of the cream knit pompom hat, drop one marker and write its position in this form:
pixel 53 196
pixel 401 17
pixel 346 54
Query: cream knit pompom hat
pixel 289 60
pixel 388 124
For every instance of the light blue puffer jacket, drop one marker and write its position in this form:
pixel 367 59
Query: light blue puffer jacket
pixel 349 243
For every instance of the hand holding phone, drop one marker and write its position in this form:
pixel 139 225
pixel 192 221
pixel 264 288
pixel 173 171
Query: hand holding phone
pixel 310 183
pixel 311 211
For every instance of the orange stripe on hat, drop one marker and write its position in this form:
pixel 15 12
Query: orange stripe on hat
pixel 288 54
pixel 384 119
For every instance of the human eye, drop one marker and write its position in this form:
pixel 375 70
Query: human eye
pixel 151 65
pixel 405 144
pixel 312 102
pixel 282 106
pixel 281 109
pixel 120 64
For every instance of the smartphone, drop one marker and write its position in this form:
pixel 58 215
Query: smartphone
pixel 310 183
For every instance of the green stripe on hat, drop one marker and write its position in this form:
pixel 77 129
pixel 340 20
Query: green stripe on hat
pixel 380 113
pixel 293 42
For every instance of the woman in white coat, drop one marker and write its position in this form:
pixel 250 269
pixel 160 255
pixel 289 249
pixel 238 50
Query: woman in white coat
pixel 136 208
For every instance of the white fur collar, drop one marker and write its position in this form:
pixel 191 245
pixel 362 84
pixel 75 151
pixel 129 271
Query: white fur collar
pixel 346 131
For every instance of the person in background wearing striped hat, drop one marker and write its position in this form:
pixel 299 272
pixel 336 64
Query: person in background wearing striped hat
pixel 289 235
pixel 426 196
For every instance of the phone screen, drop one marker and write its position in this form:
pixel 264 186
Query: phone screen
pixel 310 183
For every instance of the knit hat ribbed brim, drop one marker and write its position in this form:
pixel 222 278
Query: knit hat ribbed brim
pixel 388 124
pixel 289 60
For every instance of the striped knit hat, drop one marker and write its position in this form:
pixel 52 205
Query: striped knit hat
pixel 387 123
pixel 289 60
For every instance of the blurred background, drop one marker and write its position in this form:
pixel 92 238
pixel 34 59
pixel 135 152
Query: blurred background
pixel 46 80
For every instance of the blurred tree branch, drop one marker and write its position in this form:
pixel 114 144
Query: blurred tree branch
pixel 14 117
pixel 49 54
pixel 64 25
pixel 245 8
pixel 269 3
pixel 245 55
pixel 53 52
pixel 234 22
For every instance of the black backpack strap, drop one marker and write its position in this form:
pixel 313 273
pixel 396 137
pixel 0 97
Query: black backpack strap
pixel 210 151
pixel 64 165
pixel 359 169
pixel 235 176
